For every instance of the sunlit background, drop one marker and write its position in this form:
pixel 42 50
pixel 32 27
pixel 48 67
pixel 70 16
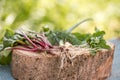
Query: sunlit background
pixel 61 14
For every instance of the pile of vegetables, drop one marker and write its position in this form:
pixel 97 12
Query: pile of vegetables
pixel 47 40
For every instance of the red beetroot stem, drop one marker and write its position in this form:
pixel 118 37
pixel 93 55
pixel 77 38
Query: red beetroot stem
pixel 25 49
pixel 40 43
pixel 29 39
pixel 45 42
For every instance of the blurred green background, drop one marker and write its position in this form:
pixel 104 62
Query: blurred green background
pixel 61 14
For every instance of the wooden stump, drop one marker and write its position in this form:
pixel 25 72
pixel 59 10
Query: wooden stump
pixel 40 66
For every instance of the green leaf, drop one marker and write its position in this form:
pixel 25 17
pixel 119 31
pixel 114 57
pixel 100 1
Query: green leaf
pixel 12 39
pixel 7 40
pixel 57 36
pixel 45 28
pixel 99 34
pixel 9 33
pixel 97 41
pixel 82 37
pixel 5 57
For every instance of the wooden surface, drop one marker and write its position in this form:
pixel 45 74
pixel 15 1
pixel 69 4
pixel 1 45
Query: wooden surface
pixel 5 73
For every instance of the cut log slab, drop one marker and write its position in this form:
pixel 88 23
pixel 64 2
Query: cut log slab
pixel 41 66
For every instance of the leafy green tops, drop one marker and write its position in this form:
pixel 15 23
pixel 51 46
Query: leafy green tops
pixel 47 39
pixel 30 41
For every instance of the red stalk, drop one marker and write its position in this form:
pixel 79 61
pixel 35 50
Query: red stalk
pixel 45 42
pixel 25 49
pixel 42 45
pixel 29 39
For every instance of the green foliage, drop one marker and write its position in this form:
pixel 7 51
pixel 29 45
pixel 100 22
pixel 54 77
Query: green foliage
pixel 96 40
pixel 11 39
pixel 34 41
pixel 56 36
pixel 5 56
pixel 29 42
pixel 82 37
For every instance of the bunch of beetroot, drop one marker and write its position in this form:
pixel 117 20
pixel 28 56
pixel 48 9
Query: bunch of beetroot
pixel 33 41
